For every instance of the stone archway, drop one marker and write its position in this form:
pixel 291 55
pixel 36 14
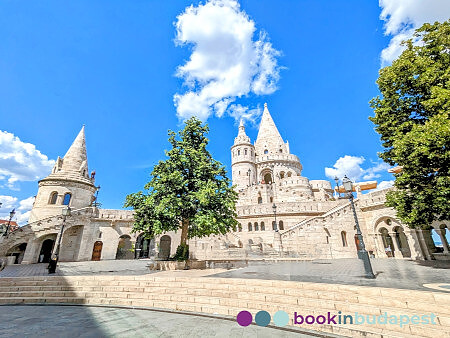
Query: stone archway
pixel 97 251
pixel 386 239
pixel 145 247
pixel 124 248
pixel 18 252
pixel 46 250
pixel 164 247
pixel 401 241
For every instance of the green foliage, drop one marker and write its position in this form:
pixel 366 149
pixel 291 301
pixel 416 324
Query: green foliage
pixel 189 187
pixel 182 253
pixel 412 117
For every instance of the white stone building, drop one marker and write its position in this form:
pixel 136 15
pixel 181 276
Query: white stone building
pixel 308 222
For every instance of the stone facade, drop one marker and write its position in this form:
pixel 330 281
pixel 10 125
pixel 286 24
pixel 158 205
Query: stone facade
pixel 281 214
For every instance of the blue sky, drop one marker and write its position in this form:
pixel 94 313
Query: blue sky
pixel 125 69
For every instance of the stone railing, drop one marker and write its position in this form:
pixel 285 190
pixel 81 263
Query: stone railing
pixel 277 157
pixel 287 208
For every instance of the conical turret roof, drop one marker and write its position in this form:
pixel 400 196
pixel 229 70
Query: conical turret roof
pixel 242 136
pixel 73 166
pixel 269 139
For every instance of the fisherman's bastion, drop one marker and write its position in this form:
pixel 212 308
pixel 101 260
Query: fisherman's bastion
pixel 281 214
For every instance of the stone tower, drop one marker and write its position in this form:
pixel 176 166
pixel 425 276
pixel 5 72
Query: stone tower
pixel 68 184
pixel 243 165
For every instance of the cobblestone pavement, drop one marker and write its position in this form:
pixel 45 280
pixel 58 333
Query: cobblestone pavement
pixel 86 321
pixel 390 273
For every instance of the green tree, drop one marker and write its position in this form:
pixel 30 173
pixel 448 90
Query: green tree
pixel 188 190
pixel 412 117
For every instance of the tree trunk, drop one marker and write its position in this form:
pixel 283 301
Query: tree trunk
pixel 184 231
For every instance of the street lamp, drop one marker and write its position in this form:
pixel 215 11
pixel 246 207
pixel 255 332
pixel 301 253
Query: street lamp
pixel 54 259
pixel 274 208
pixel 11 215
pixel 362 252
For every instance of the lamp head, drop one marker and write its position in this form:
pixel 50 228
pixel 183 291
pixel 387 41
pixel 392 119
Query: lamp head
pixel 12 213
pixel 348 185
pixel 274 207
pixel 66 211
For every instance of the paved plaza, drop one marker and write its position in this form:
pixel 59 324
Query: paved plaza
pixel 90 321
pixel 391 273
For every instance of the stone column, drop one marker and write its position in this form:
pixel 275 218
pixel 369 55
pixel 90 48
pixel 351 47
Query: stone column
pixel 29 256
pixel 441 233
pixel 424 245
pixel 396 247
pixel 381 253
pixel 413 243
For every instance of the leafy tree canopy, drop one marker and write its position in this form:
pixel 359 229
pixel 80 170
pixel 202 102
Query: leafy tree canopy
pixel 412 117
pixel 188 190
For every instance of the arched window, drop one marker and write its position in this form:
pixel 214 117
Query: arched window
pixel 263 227
pixel 344 238
pixel 67 198
pixel 274 225
pixel 256 226
pixel 53 197
pixel 266 151
pixel 271 199
pixel 249 226
pixel 289 174
pixel 281 150
pixel 282 174
pixel 268 178
pixel 245 151
pixel 251 152
pixel 239 152
pixel 259 200
pixel 281 225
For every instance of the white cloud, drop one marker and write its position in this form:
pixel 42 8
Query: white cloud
pixel 20 161
pixel 226 62
pixel 402 17
pixel 351 166
pixel 22 208
pixel 385 184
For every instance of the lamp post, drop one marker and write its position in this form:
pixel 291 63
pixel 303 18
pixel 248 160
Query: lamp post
pixel 277 233
pixel 54 259
pixel 362 252
pixel 274 208
pixel 11 215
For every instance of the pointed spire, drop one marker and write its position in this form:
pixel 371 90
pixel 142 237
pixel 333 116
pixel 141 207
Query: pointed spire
pixel 269 139
pixel 242 136
pixel 76 157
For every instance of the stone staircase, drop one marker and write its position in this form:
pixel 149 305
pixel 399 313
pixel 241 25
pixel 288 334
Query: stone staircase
pixel 228 296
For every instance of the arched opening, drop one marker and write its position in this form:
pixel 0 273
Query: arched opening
pixel 53 198
pixel 282 174
pixel 268 178
pixel 164 247
pixel 387 242
pixel 17 251
pixel 46 250
pixel 281 225
pixel 263 227
pixel 289 174
pixel 124 248
pixel 281 150
pixel 145 247
pixel 266 151
pixel 245 151
pixel 249 226
pixel 239 152
pixel 67 198
pixel 402 241
pixel 274 225
pixel 256 226
pixel 344 238
pixel 97 251
pixel 259 200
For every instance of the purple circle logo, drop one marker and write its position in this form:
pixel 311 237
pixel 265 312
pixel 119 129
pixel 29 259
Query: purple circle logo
pixel 244 318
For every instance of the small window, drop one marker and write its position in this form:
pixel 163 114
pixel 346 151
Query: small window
pixel 259 200
pixel 251 152
pixel 67 198
pixel 281 225
pixel 281 150
pixel 263 227
pixel 249 226
pixel 266 151
pixel 256 226
pixel 289 174
pixel 100 234
pixel 271 199
pixel 53 197
pixel 239 152
pixel 282 174
pixel 344 238
pixel 245 151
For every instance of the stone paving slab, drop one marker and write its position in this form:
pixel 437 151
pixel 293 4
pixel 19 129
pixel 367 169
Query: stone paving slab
pixel 84 321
